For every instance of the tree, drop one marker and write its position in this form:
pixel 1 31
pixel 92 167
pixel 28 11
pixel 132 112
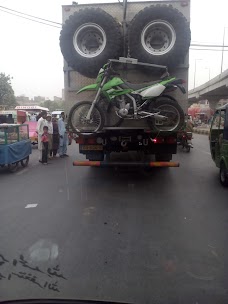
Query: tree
pixel 7 97
pixel 52 105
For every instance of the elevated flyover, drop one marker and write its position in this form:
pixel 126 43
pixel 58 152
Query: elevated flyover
pixel 212 90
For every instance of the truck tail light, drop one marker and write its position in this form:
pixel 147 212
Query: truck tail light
pixel 158 140
pixel 80 140
pixel 171 140
pixel 91 141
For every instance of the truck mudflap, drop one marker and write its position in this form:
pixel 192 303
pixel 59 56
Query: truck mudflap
pixel 105 164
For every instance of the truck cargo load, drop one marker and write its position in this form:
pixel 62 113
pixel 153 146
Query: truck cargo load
pixel 148 51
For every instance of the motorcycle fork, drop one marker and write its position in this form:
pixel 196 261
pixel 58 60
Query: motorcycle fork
pixel 96 98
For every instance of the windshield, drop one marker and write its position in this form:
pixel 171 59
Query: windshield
pixel 116 193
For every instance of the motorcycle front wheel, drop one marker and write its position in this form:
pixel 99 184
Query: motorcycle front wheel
pixel 78 121
pixel 169 108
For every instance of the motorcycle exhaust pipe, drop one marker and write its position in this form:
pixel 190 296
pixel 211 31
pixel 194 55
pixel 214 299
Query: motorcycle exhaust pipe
pixel 160 117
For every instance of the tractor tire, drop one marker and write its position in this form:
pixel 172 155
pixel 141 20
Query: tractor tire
pixel 88 39
pixel 159 34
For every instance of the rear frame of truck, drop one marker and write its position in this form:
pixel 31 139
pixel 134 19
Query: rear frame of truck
pixel 131 135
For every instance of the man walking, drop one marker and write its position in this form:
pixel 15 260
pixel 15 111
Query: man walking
pixel 40 130
pixel 50 135
pixel 63 136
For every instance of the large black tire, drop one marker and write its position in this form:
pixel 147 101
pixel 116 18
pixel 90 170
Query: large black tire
pixel 159 34
pixel 223 175
pixel 176 112
pixel 163 157
pixel 88 39
pixel 96 114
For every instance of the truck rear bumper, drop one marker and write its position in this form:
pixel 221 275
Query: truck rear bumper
pixel 125 164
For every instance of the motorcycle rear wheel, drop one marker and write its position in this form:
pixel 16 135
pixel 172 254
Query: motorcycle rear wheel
pixel 188 149
pixel 78 122
pixel 170 108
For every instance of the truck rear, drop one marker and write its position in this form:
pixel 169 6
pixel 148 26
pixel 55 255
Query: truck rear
pixel 157 33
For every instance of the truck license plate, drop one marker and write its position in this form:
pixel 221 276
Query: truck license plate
pixel 91 147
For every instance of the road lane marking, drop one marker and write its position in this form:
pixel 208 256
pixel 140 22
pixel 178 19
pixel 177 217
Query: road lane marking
pixel 31 206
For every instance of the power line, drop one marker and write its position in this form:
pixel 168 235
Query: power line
pixel 30 19
pixel 29 15
pixel 213 50
pixel 208 45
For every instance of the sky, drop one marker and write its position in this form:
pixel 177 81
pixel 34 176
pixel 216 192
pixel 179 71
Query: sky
pixel 30 51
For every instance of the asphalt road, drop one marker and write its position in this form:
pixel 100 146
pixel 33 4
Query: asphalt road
pixel 117 235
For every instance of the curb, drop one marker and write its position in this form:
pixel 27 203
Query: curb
pixel 201 131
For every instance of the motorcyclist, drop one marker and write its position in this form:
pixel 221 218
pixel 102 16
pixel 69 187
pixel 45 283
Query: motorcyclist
pixel 188 127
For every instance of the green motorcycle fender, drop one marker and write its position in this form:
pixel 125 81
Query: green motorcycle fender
pixel 90 87
pixel 115 81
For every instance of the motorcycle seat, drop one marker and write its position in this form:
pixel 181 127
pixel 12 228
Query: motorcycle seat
pixel 137 86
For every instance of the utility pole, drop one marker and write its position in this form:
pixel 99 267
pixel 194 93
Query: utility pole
pixel 223 42
pixel 195 73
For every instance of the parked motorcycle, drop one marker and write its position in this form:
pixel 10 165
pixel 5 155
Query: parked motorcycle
pixel 185 140
pixel 117 99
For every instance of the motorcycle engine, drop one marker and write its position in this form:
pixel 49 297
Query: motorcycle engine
pixel 123 112
pixel 124 107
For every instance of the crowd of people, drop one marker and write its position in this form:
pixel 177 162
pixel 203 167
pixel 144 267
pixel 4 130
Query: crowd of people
pixel 52 137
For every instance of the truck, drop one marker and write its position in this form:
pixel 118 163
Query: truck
pixel 144 39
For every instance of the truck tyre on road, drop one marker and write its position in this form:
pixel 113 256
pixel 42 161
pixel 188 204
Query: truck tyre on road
pixel 88 39
pixel 78 122
pixel 169 107
pixel 223 175
pixel 163 157
pixel 159 34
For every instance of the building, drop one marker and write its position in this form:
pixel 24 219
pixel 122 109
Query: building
pixel 39 99
pixel 57 98
pixel 22 100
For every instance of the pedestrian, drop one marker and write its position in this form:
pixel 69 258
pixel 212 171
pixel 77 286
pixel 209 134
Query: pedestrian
pixel 40 125
pixel 33 117
pixel 38 116
pixel 55 142
pixel 50 135
pixel 63 136
pixel 44 140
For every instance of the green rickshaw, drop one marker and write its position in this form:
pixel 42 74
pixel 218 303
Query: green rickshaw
pixel 219 142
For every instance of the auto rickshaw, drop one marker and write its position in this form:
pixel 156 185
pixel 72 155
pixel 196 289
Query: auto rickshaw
pixel 219 142
pixel 15 146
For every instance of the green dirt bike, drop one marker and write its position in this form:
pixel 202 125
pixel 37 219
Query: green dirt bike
pixel 116 100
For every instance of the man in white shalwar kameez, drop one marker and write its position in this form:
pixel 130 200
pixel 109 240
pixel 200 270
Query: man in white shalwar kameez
pixel 63 137
pixel 40 125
